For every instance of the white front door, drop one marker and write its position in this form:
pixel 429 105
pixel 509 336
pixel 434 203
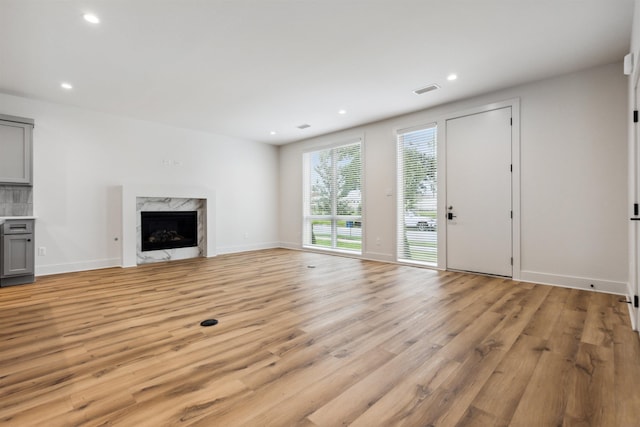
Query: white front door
pixel 478 186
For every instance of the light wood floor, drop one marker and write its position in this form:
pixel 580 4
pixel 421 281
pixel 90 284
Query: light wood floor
pixel 348 342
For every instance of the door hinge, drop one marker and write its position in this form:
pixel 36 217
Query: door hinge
pixel 635 209
pixel 511 260
pixel 635 116
pixel 635 301
pixel 511 167
pixel 511 121
pixel 511 214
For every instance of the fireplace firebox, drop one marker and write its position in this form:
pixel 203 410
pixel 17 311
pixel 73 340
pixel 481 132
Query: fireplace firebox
pixel 168 230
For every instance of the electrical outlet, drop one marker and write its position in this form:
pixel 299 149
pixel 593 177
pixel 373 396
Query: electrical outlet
pixel 42 251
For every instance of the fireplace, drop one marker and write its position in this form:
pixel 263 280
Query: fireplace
pixel 168 230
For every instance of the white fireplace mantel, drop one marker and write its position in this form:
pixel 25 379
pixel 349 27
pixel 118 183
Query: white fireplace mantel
pixel 130 193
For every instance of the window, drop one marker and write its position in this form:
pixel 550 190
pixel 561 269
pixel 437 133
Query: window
pixel 333 198
pixel 417 196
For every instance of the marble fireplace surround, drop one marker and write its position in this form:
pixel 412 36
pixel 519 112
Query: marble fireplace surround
pixel 135 197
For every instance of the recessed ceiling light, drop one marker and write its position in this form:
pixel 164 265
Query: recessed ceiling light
pixel 90 17
pixel 66 85
pixel 273 132
pixel 452 77
pixel 342 112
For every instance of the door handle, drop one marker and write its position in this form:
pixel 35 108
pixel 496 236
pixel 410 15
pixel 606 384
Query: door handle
pixel 450 214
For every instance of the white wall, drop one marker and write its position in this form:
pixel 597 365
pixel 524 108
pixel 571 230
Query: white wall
pixel 81 158
pixel 573 178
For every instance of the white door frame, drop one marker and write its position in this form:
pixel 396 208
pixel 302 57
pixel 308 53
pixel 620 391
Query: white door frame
pixel 514 103
pixel 633 287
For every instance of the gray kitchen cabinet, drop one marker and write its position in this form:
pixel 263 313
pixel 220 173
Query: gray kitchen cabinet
pixel 16 252
pixel 16 144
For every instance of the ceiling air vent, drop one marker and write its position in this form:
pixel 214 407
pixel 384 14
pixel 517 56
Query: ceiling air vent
pixel 303 126
pixel 426 89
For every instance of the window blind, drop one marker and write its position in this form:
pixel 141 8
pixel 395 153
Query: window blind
pixel 332 202
pixel 417 220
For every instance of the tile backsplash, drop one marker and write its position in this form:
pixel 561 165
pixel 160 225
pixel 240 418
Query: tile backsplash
pixel 16 200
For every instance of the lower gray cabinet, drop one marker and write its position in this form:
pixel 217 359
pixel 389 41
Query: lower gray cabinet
pixel 16 252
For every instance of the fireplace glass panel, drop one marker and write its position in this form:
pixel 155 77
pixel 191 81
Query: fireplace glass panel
pixel 169 230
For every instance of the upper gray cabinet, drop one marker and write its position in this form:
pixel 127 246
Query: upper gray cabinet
pixel 16 146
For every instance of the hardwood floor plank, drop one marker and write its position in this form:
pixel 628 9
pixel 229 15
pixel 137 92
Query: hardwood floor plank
pixel 546 396
pixel 93 404
pixel 310 399
pixel 544 320
pixel 465 342
pixel 599 323
pixel 354 401
pixel 511 378
pixel 37 415
pixel 447 404
pixel 450 403
pixel 592 374
pixel 626 373
pixel 347 342
pixel 405 399
pixel 475 417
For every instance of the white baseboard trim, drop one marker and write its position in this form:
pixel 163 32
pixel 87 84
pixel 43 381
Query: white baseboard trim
pixel 606 286
pixel 378 256
pixel 289 245
pixel 97 264
pixel 370 256
pixel 246 248
pixel 49 269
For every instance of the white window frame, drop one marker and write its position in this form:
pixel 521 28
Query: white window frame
pixel 307 217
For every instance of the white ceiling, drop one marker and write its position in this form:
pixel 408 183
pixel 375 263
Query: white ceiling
pixel 247 67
